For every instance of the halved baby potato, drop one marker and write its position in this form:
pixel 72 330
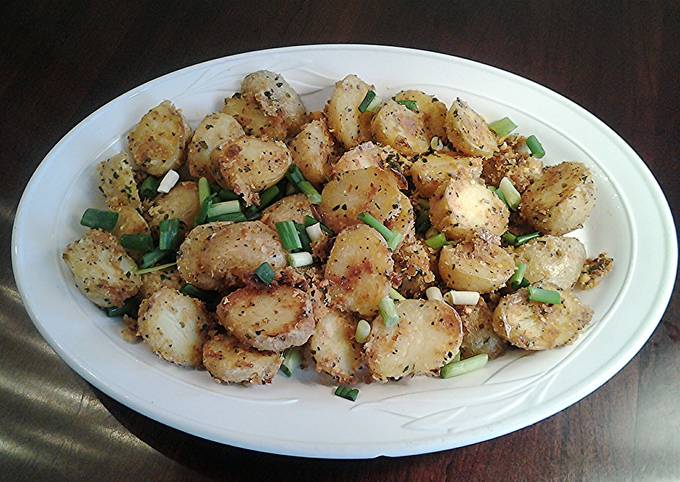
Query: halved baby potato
pixel 333 348
pixel 190 262
pixel 400 128
pixel 469 132
pixel 180 203
pixel 227 360
pixel 430 172
pixel 431 109
pixel 117 182
pixel 476 265
pixel 252 119
pixel 478 334
pixel 214 129
pixel 290 208
pixel 312 150
pixel 154 281
pixel 349 126
pixel 553 259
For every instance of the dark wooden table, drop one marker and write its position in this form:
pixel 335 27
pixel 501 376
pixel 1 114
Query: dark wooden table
pixel 62 60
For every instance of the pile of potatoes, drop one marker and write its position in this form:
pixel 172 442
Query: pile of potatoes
pixel 393 162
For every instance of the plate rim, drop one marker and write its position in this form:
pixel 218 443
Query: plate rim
pixel 434 443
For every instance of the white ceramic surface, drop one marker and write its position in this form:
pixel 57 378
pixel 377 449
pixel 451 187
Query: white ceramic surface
pixel 300 416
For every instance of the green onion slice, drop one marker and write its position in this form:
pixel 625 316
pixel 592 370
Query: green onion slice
pixel 153 257
pixel 130 308
pixel 436 242
pixel 98 219
pixel 314 232
pixel 191 290
pixel 517 278
pixel 423 221
pixel 509 238
pixel 456 368
pixel 291 360
pixel 512 195
pixel 549 297
pixel 366 103
pixel 203 190
pixel 395 295
pixel 159 267
pixel 149 188
pixel 252 212
pixel 288 234
pixel 457 357
pixel 226 195
pixel 311 221
pixel 524 238
pixel 268 196
pixel 168 237
pixel 501 196
pixel 535 147
pixel 393 238
pixel 362 331
pixel 304 237
pixel 202 216
pixel 137 242
pixel 298 260
pixel 347 393
pixel 232 217
pixel 225 207
pixel 503 127
pixel 265 273
pixel 294 175
pixel 411 105
pixel 388 311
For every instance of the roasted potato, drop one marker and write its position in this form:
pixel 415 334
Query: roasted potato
pixel 561 200
pixel 312 151
pixel 478 334
pixel 157 143
pixel 359 269
pixel 117 182
pixel 174 326
pixel 555 259
pixel 538 326
pixel 276 98
pixel 129 222
pixel 333 348
pixel 290 208
pixel 214 129
pixel 249 164
pixel 430 172
pixel 102 270
pixel 190 261
pixel 430 109
pixel 229 361
pixel 252 119
pixel 180 203
pixel 427 337
pixel 235 251
pixel 413 267
pixel 349 126
pixel 154 281
pixel 351 193
pixel 269 319
pixel 468 131
pixel 461 207
pixel 400 128
pixel 404 221
pixel 477 265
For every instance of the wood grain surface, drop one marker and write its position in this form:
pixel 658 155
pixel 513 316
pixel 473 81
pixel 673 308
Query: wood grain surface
pixel 62 60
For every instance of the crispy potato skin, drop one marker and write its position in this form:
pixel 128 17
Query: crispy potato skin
pixel 250 164
pixel 430 172
pixel 537 326
pixel 117 182
pixel 154 281
pixel 174 326
pixel 359 269
pixel 431 110
pixel 229 361
pixel 478 334
pixel 275 98
pixel 476 265
pixel 468 131
pixel 351 193
pixel 312 151
pixel 554 259
pixel 290 208
pixel 349 126
pixel 252 119
pixel 270 319
pixel 561 200
pixel 214 129
pixel 412 266
pixel 102 270
pixel 400 128
pixel 157 143
pixel 333 348
pixel 462 207
pixel 427 337
pixel 180 203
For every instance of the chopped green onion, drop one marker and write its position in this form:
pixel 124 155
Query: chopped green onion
pixel 368 99
pixel 362 331
pixel 549 297
pixel 409 104
pixel 434 293
pixel 388 311
pixel 393 238
pixel 130 308
pixel 137 242
pixel 226 195
pixel 226 207
pixel 168 182
pixel 457 357
pixel 203 190
pixel 304 238
pixel 97 219
pixel 252 212
pixel 509 238
pixel 233 217
pixel 294 175
pixel 153 257
pixel 288 235
pixel 517 278
pixel 268 196
pixel 291 189
pixel 347 393
pixel 535 147
pixel 456 368
pixel 265 273
pixel 168 236
pixel 156 268
pixel 454 297
pixel 395 295
pixel 149 188
pixel 524 283
pixel 291 360
pixel 423 221
pixel 314 232
pixel 503 127
pixel 523 239
pixel 501 196
pixel 298 260
pixel 512 195
pixel 436 242
pixel 311 221
pixel 202 216
pixel 191 290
